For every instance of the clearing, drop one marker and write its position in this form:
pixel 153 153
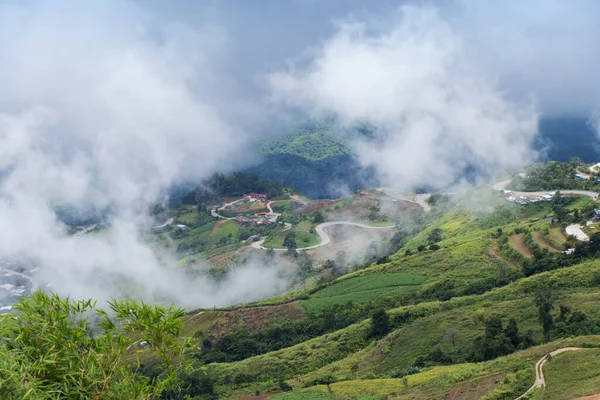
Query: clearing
pixel 516 242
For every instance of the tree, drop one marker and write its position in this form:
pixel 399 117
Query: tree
pixel 512 332
pixel 380 323
pixel 544 301
pixel 304 263
pixel 318 218
pixel 452 335
pixel 52 349
pixel 435 235
pixel 290 243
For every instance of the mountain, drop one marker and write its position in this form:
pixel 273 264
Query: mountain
pixel 316 160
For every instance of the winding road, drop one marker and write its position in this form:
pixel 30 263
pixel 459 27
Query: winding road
pixel 325 238
pixel 540 381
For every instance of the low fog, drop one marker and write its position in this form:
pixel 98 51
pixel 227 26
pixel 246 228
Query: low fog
pixel 107 104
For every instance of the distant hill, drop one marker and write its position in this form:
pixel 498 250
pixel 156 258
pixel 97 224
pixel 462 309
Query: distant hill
pixel 315 160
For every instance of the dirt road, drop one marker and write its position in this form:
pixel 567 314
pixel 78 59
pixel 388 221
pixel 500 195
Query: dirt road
pixel 539 373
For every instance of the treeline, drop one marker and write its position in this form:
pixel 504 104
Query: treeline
pixel 219 185
pixel 555 175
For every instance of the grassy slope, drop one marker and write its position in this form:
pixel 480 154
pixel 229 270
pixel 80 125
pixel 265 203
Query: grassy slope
pixel 465 256
pixel 337 353
pixel 507 377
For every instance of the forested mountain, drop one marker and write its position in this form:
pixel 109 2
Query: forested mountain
pixel 317 159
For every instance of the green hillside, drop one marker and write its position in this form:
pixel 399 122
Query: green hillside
pixel 464 309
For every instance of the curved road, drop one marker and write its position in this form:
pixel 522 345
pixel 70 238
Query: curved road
pixel 325 238
pixel 540 381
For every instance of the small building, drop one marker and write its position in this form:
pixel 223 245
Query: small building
pixel 254 238
pixel 596 215
pixel 569 251
pixel 581 177
pixel 522 175
pixel 182 227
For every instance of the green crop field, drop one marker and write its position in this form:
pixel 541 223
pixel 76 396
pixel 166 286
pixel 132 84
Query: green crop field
pixel 363 289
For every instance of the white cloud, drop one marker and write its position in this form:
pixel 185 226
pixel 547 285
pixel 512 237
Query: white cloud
pixel 412 80
pixel 102 105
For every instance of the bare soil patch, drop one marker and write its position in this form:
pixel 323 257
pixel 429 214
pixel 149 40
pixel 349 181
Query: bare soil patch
pixel 475 390
pixel 315 206
pixel 256 318
pixel 218 224
pixel 516 241
pixel 261 397
pixel 592 397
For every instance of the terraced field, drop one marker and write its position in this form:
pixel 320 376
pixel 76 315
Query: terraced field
pixel 538 237
pixel 516 242
pixel 556 237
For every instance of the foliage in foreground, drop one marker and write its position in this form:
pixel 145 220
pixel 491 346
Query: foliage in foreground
pixel 53 348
